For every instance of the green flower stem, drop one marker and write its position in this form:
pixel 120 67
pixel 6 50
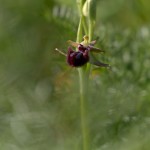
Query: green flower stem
pixel 79 32
pixel 80 4
pixel 85 70
pixel 83 94
pixel 83 108
pixel 91 29
pixel 91 18
pixel 85 25
pixel 82 81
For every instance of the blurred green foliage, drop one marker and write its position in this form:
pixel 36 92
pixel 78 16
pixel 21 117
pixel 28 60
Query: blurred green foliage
pixel 39 95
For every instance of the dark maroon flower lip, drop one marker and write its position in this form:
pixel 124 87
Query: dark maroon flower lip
pixel 77 58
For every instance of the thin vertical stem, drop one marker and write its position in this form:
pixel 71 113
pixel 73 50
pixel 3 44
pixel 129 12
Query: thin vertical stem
pixel 91 28
pixel 84 72
pixel 91 17
pixel 82 83
pixel 83 108
pixel 84 128
pixel 79 32
pixel 85 25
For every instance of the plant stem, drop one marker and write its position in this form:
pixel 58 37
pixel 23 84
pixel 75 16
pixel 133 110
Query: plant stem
pixel 91 18
pixel 79 32
pixel 82 82
pixel 85 71
pixel 85 25
pixel 91 28
pixel 83 108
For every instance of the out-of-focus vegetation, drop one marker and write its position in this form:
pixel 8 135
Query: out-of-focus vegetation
pixel 39 95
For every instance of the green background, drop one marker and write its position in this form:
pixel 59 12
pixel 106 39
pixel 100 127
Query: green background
pixel 39 92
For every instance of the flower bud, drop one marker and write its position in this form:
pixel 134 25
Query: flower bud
pixel 89 9
pixel 92 9
pixel 85 9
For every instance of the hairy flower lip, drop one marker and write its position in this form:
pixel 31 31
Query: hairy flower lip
pixel 77 58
